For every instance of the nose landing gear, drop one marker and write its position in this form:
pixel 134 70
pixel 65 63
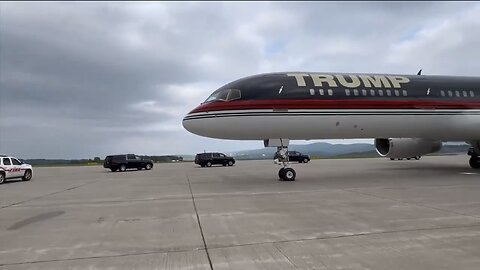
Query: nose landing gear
pixel 281 158
pixel 474 158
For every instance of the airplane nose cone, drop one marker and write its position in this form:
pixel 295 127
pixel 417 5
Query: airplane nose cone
pixel 190 124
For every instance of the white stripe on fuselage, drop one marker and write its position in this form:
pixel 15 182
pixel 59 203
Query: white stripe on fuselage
pixel 301 124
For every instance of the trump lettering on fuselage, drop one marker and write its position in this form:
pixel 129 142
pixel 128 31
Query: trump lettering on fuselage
pixel 350 81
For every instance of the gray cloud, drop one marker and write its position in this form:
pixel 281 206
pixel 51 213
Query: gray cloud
pixel 85 79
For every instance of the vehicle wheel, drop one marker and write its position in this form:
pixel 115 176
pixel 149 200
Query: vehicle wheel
pixel 209 164
pixel 392 158
pixel 2 178
pixel 305 160
pixel 113 169
pixel 474 162
pixel 27 176
pixel 230 163
pixel 148 166
pixel 417 157
pixel 289 174
pixel 123 167
pixel 400 159
pixel 281 173
pixel 408 158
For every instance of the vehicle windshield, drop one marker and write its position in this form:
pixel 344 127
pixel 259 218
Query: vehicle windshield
pixel 224 95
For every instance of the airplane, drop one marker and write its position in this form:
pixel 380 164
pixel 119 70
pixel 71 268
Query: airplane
pixel 406 115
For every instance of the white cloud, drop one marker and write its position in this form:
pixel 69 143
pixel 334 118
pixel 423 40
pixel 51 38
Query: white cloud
pixel 84 72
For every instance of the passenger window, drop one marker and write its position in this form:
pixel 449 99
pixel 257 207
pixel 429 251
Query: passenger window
pixel 450 93
pixel 405 93
pixel 372 93
pixel 216 155
pixel 312 92
pixel 347 92
pixel 330 92
pixel 464 93
pixel 129 156
pixel 355 92
pixel 380 93
pixel 6 161
pixel 472 94
pixel 364 92
pixel 321 92
pixel 389 93
pixel 397 93
pixel 15 161
pixel 457 93
pixel 442 93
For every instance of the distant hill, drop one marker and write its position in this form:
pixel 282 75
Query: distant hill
pixel 315 150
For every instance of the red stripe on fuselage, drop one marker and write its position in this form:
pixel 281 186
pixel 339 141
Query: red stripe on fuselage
pixel 333 104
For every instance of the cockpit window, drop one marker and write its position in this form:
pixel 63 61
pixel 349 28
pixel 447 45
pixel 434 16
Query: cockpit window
pixel 234 94
pixel 224 95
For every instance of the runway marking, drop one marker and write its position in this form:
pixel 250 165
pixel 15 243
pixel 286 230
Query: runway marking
pixel 468 173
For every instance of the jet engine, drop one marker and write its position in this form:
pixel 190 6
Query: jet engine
pixel 406 147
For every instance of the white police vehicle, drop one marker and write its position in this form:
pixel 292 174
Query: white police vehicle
pixel 11 167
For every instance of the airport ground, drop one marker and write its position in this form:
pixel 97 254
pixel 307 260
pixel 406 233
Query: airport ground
pixel 339 214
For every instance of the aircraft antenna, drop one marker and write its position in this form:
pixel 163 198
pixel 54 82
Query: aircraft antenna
pixel 419 72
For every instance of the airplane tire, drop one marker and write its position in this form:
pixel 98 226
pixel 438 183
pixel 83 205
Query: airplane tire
pixel 474 162
pixel 289 174
pixel 281 173
pixel 417 157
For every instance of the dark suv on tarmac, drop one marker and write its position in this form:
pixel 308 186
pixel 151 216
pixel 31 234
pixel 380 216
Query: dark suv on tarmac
pixel 128 161
pixel 296 156
pixel 208 159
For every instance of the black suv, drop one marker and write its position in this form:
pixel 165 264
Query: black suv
pixel 297 156
pixel 128 161
pixel 208 159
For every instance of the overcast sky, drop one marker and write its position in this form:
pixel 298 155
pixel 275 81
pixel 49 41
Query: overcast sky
pixel 79 80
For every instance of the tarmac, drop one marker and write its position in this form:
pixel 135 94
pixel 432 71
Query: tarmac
pixel 339 214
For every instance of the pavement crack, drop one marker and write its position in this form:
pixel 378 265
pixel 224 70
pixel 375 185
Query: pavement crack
pixel 95 257
pixel 49 194
pixel 199 223
pixel 345 236
pixel 286 257
pixel 410 203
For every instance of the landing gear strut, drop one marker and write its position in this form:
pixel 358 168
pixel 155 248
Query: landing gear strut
pixel 281 158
